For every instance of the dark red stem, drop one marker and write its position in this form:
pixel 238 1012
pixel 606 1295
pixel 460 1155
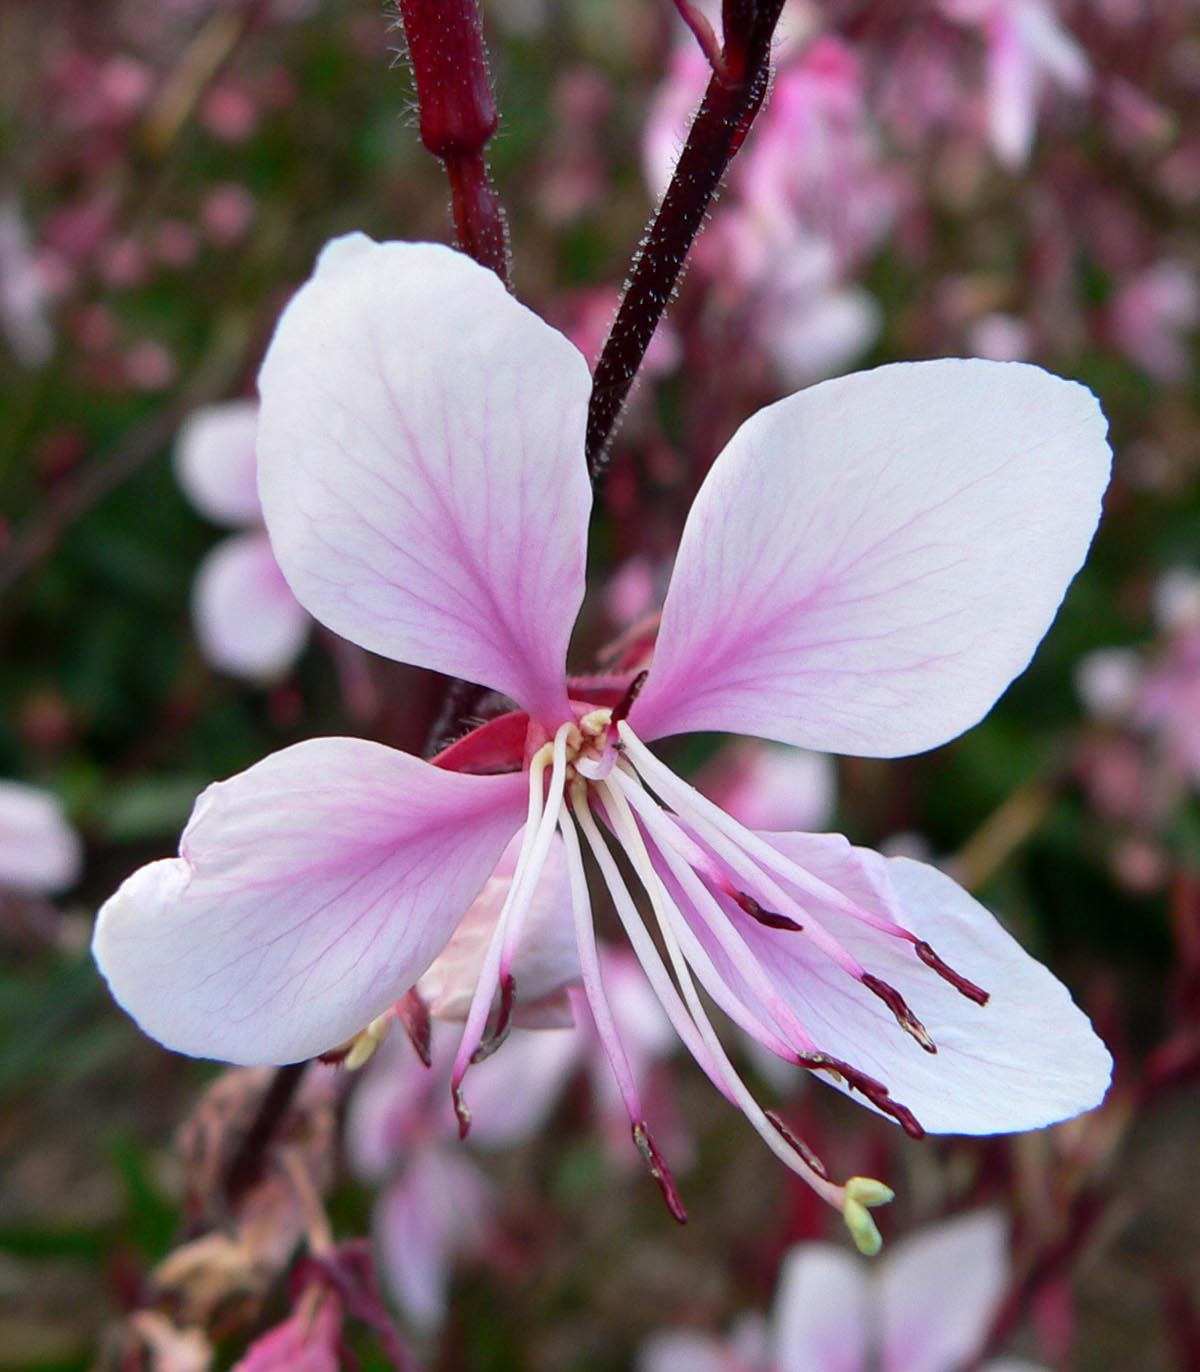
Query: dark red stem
pixel 458 118
pixel 735 92
pixel 248 1162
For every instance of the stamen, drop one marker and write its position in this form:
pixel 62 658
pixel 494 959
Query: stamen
pixel 874 1091
pixel 413 1013
pixel 535 847
pixel 770 918
pixel 625 704
pixel 606 1029
pixel 659 1171
pixel 631 841
pixel 798 1143
pixel 896 1003
pixel 644 949
pixel 705 817
pixel 737 857
pixel 722 929
pixel 947 973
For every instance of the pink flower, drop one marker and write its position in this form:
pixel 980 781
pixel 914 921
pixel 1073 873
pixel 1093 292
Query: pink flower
pixel 247 620
pixel 1152 314
pixel 39 851
pixel 24 321
pixel 309 1340
pixel 437 1207
pixel 807 202
pixel 927 1307
pixel 866 567
pixel 1027 47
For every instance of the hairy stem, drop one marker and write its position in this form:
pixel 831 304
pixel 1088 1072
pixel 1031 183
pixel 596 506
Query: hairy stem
pixel 734 95
pixel 458 118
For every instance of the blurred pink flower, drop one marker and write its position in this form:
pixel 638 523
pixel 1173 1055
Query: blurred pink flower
pixel 420 445
pixel 309 1340
pixel 247 620
pixel 807 202
pixel 767 787
pixel 1151 315
pixel 926 1307
pixel 1027 48
pixel 24 315
pixel 39 851
pixel 1156 695
pixel 437 1207
pixel 226 212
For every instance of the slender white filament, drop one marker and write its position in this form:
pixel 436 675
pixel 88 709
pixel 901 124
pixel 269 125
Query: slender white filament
pixel 535 845
pixel 593 978
pixel 631 840
pixel 643 947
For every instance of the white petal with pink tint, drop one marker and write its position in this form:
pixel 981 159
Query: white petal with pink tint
pixel 822 1311
pixel 247 619
pixel 39 851
pixel 938 1292
pixel 312 890
pixel 871 561
pixel 215 463
pixel 421 467
pixel 1027 1058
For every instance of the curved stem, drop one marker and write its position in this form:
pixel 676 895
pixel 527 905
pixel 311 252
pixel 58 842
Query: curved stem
pixel 735 92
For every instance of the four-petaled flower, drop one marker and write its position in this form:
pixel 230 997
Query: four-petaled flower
pixel 926 1308
pixel 866 567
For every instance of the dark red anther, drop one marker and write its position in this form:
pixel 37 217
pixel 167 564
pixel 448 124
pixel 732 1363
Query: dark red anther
pixel 413 1013
pixel 947 973
pixel 659 1171
pixel 770 918
pixel 798 1144
pixel 492 1041
pixel 896 1003
pixel 462 1110
pixel 874 1091
pixel 625 704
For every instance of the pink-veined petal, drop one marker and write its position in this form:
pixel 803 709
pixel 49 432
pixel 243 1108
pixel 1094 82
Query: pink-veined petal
pixel 247 619
pixel 822 1311
pixel 436 1212
pixel 1027 1058
pixel 938 1292
pixel 215 462
pixel 39 851
pixel 871 561
pixel 312 890
pixel 421 467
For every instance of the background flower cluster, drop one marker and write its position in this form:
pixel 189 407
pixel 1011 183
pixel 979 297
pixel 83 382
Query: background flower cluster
pixel 1001 178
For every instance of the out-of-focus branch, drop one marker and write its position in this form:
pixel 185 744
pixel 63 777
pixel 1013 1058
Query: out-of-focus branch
pixel 735 93
pixel 37 538
pixel 458 118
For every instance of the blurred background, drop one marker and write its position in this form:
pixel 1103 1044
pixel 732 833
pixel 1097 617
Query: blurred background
pixel 1004 178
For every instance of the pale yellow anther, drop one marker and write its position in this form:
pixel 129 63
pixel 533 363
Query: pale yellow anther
pixel 861 1193
pixel 595 723
pixel 867 1191
pixel 862 1227
pixel 364 1043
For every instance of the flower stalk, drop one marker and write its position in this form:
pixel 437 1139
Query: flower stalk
pixel 458 117
pixel 735 93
